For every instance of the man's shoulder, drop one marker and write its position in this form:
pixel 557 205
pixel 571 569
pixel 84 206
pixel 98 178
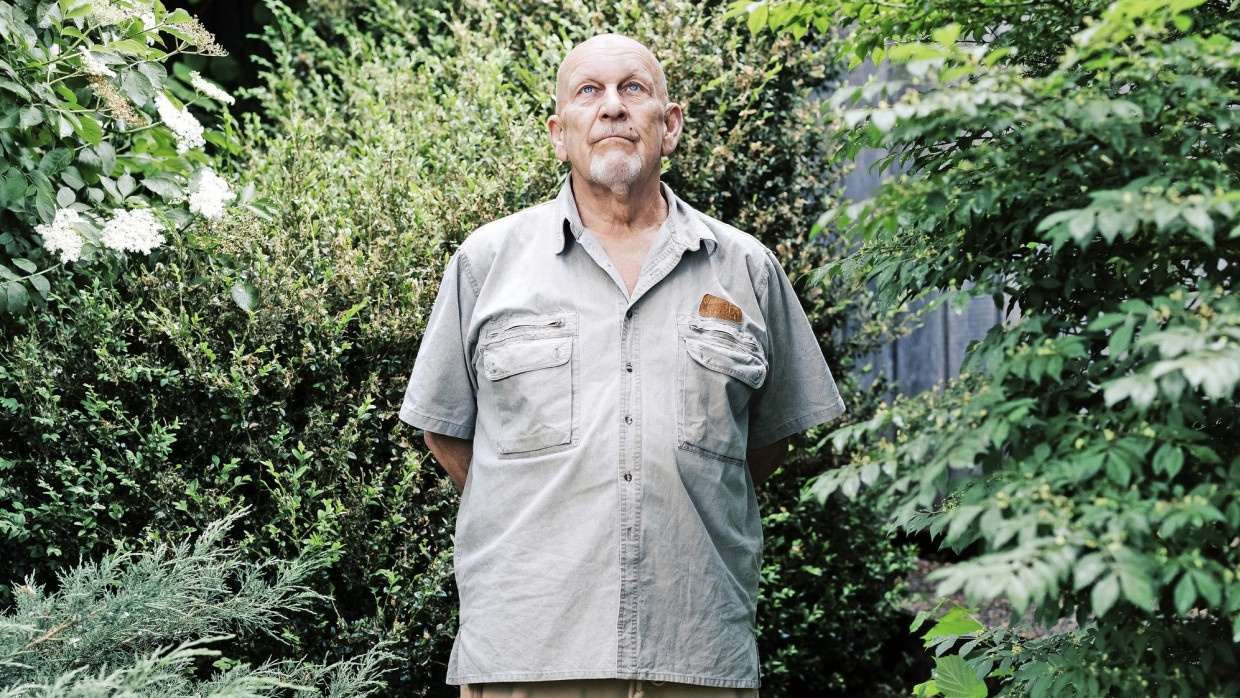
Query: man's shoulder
pixel 518 227
pixel 734 241
pixel 503 237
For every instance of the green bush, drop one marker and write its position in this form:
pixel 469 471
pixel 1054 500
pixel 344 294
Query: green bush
pixel 1079 167
pixel 269 372
pixel 111 626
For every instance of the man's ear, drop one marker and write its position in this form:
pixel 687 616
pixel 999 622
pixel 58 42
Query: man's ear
pixel 556 130
pixel 673 124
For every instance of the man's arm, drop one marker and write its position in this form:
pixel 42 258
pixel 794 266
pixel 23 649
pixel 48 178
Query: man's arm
pixel 453 454
pixel 765 460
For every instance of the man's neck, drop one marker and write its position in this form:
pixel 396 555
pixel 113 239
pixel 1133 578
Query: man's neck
pixel 611 214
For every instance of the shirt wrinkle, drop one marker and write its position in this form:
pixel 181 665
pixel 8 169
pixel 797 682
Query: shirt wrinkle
pixel 609 526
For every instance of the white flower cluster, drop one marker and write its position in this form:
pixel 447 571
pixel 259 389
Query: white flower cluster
pixel 209 89
pixel 210 196
pixel 61 235
pixel 132 231
pixel 183 124
pixel 94 66
pixel 107 12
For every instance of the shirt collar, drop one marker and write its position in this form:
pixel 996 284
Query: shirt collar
pixel 686 227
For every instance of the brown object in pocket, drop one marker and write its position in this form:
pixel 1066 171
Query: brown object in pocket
pixel 714 306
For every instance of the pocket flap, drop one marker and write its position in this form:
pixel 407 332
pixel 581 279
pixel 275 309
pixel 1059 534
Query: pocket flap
pixel 729 359
pixel 508 358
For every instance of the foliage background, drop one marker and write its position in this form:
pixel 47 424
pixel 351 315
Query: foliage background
pixel 150 397
pixel 1077 162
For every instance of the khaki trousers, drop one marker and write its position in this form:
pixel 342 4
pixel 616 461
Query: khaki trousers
pixel 601 688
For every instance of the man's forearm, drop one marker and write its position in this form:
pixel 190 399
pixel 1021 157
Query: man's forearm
pixel 766 460
pixel 453 454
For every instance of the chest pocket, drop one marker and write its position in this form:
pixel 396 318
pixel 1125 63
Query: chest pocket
pixel 719 367
pixel 531 375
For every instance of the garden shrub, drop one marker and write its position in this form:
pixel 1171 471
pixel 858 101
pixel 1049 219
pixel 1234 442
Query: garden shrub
pixel 267 371
pixel 1078 166
pixel 137 623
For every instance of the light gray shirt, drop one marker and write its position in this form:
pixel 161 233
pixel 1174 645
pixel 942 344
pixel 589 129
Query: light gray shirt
pixel 609 526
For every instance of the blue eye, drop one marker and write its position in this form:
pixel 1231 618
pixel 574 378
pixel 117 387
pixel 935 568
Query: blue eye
pixel 633 87
pixel 587 89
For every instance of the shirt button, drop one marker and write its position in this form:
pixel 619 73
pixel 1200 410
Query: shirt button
pixel 628 477
pixel 628 314
pixel 628 367
pixel 628 419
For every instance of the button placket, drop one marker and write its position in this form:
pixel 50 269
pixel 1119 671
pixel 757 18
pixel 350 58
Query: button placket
pixel 630 496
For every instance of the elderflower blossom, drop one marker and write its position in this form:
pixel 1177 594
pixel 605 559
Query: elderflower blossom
pixel 94 66
pixel 132 231
pixel 210 196
pixel 108 13
pixel 209 89
pixel 183 124
pixel 61 235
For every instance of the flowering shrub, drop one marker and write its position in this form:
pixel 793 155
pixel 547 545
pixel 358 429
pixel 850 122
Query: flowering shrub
pixel 101 148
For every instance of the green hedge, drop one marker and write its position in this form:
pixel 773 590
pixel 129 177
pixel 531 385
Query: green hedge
pixel 146 403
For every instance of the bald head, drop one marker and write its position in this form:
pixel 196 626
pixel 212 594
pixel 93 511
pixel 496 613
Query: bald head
pixel 606 48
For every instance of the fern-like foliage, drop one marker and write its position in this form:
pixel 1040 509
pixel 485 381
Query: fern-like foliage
pixel 137 624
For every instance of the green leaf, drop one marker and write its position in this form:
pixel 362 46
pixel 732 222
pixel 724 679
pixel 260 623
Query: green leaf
pixel 76 8
pixel 136 87
pixel 1087 569
pixel 956 679
pixel 1185 594
pixel 16 298
pixel 957 621
pixel 947 35
pixel 125 184
pixel 72 177
pixel 1081 226
pixel 1138 589
pixel 245 296
pixel 30 117
pixel 1121 339
pixel 178 16
pixel 15 88
pixel 1209 587
pixel 41 284
pixel 166 187
pixel 1169 459
pixel 25 265
pixel 757 18
pixel 1105 594
pixel 130 46
pixel 87 128
pixel 65 197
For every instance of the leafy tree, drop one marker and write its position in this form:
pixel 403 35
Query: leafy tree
pixel 1078 163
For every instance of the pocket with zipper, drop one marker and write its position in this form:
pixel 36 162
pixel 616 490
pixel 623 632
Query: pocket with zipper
pixel 718 368
pixel 530 386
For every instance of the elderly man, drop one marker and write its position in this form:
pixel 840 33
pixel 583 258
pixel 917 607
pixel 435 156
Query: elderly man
pixel 607 377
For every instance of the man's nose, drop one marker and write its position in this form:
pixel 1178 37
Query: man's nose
pixel 613 106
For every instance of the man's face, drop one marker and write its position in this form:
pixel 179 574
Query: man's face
pixel 613 122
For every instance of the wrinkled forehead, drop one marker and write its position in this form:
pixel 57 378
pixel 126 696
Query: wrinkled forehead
pixel 605 56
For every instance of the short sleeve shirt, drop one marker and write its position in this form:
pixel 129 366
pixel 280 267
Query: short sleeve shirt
pixel 609 526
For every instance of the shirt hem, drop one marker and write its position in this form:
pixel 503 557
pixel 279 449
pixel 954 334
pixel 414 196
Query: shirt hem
pixel 597 674
pixel 799 424
pixel 437 426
